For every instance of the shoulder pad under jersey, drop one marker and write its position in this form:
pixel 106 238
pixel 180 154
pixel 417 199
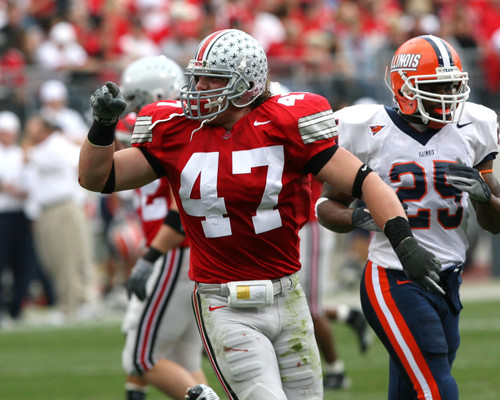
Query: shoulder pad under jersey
pixel 357 114
pixel 150 115
pixel 310 113
pixel 474 112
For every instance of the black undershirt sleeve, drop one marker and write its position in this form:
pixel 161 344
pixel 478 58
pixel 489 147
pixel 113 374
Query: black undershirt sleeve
pixel 318 161
pixel 155 164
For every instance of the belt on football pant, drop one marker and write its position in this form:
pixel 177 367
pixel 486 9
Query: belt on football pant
pixel 281 286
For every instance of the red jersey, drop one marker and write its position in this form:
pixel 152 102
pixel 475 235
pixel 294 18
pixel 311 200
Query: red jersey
pixel 152 204
pixel 242 194
pixel 153 200
pixel 316 189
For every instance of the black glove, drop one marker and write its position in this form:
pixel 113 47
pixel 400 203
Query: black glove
pixel 361 218
pixel 136 282
pixel 419 265
pixel 107 104
pixel 468 180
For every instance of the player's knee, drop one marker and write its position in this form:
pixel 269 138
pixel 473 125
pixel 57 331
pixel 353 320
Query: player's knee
pixel 134 365
pixel 448 387
pixel 241 356
pixel 128 364
pixel 259 392
pixel 296 364
pixel 430 335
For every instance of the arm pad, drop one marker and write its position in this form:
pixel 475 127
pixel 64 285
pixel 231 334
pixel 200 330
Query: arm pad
pixel 363 172
pixel 173 219
pixel 101 135
pixel 109 186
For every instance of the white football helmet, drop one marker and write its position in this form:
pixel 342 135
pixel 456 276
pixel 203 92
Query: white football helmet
pixel 150 79
pixel 231 54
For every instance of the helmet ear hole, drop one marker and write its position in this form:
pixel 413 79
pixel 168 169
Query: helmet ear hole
pixel 243 86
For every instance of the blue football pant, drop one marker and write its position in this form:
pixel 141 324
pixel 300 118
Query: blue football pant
pixel 418 328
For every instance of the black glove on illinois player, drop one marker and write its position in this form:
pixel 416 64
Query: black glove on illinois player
pixel 469 180
pixel 362 219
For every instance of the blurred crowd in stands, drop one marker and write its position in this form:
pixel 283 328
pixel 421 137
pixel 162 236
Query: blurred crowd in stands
pixel 54 53
pixel 337 47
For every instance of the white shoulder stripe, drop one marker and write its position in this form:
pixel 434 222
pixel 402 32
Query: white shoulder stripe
pixel 318 126
pixel 141 133
pixel 141 138
pixel 319 135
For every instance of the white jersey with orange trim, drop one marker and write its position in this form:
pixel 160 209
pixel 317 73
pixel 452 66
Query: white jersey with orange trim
pixel 413 163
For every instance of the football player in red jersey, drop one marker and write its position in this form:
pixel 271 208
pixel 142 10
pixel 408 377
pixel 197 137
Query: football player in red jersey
pixel 436 151
pixel 238 160
pixel 162 347
pixel 316 246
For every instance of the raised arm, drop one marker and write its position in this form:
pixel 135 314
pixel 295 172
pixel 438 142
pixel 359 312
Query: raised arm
pixel 101 169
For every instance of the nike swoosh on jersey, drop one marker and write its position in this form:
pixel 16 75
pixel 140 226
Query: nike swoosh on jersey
pixel 258 123
pixel 400 282
pixel 462 125
pixel 213 308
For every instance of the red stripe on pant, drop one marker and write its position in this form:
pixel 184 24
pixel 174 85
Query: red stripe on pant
pixel 159 296
pixel 206 342
pixel 399 334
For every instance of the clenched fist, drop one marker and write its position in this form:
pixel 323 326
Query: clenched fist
pixel 107 103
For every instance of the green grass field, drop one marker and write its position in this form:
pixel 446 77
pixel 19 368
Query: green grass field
pixel 83 362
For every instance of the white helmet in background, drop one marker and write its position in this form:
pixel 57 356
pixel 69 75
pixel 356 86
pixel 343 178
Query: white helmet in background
pixel 150 79
pixel 279 88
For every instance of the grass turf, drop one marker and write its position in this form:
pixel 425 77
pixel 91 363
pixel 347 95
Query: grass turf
pixel 82 362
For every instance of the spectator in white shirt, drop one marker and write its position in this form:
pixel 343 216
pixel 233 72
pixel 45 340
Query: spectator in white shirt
pixel 61 51
pixel 54 99
pixel 61 230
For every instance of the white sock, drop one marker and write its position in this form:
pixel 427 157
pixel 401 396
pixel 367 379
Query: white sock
pixel 343 311
pixel 129 386
pixel 336 367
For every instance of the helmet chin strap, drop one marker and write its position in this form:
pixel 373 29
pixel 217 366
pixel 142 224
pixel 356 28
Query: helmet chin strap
pixel 210 104
pixel 422 120
pixel 215 103
pixel 435 125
